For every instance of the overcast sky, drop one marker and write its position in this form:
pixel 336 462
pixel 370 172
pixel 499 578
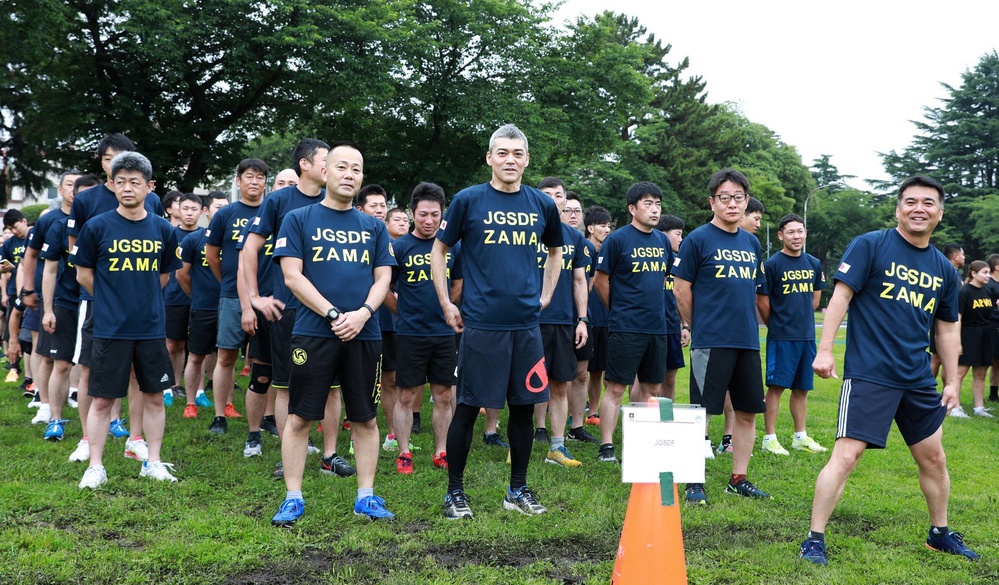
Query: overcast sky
pixel 839 78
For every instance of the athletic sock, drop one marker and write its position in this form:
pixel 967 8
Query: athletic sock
pixel 801 435
pixel 736 478
pixel 769 437
pixel 820 536
pixel 253 435
pixel 294 495
pixel 726 439
pixel 416 417
pixel 365 492
pixel 939 530
pixel 993 392
pixel 557 442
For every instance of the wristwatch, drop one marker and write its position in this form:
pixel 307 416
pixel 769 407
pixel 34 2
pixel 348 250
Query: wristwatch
pixel 583 320
pixel 333 314
pixel 686 328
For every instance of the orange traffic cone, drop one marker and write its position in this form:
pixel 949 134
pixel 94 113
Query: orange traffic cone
pixel 651 548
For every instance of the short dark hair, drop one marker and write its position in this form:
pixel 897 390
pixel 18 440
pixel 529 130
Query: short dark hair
pixel 551 182
pixel 791 217
pixel 394 211
pixel 951 250
pixel 11 217
pixel 190 197
pixel 206 200
pixel 306 149
pixel 132 161
pixel 921 181
pixel 85 182
pixel 368 190
pixel 642 189
pixel 347 143
pixel 993 261
pixel 426 192
pixel 116 142
pixel 754 205
pixel 727 175
pixel 596 215
pixel 669 222
pixel 65 174
pixel 573 196
pixel 252 163
pixel 170 198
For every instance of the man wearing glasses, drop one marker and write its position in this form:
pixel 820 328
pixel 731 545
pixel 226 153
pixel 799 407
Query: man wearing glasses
pixel 716 275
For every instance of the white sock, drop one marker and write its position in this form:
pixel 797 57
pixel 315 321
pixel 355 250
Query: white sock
pixel 73 390
pixel 769 437
pixel 801 435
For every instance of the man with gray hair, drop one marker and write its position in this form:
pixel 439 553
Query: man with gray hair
pixel 124 258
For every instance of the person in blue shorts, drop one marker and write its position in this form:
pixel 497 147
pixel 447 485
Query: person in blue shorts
pixel 716 274
pixel 123 259
pixel 895 286
pixel 787 304
pixel 338 262
pixel 677 335
pixel 500 359
pixel 631 274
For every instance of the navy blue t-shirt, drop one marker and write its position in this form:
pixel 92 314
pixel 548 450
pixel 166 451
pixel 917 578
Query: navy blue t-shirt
pixel 724 270
pixel 386 318
pixel 500 233
pixel 56 248
pixel 420 313
pixel 267 224
pixel 669 300
pixel 562 308
pixel 594 306
pixel 898 290
pixel 266 268
pixel 173 295
pixel 223 233
pixel 205 287
pixel 13 250
pixel 127 258
pixel 791 284
pixel 36 239
pixel 339 252
pixel 637 264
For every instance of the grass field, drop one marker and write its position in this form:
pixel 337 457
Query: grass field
pixel 214 525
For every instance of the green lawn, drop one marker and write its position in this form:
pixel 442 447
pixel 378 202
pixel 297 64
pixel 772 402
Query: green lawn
pixel 214 525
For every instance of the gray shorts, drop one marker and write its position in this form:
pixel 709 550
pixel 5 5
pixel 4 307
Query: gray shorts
pixel 231 334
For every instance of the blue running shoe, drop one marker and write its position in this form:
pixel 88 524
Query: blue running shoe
pixel 202 400
pixel 373 507
pixel 289 511
pixel 951 542
pixel 117 429
pixel 55 430
pixel 813 550
pixel 168 398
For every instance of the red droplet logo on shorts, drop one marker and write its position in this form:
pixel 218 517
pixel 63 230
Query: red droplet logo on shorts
pixel 540 374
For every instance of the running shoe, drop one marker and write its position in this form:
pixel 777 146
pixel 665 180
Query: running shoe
pixel 191 411
pixel 495 440
pixel 118 429
pixel 43 416
pixel 288 513
pixel 373 507
pixel 390 444
pixel 94 477
pixel 959 413
pixel 773 446
pixel 55 430
pixel 746 489
pixel 12 377
pixel 230 411
pixel 950 542
pixel 440 460
pixel 137 449
pixel 36 399
pixel 807 444
pixel 456 506
pixel 561 456
pixel 813 550
pixel 278 472
pixel 245 372
pixel 606 454
pixel 157 470
pixel 168 398
pixel 336 465
pixel 312 449
pixel 72 400
pixel 710 452
pixel 725 446
pixel 593 419
pixel 541 435
pixel 696 495
pixel 404 463
pixel 219 426
pixel 981 411
pixel 81 453
pixel 582 435
pixel 202 400
pixel 253 448
pixel 417 426
pixel 268 424
pixel 178 391
pixel 524 501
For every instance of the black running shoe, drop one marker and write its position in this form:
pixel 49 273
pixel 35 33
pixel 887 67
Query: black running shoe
pixel 582 435
pixel 336 465
pixel 219 426
pixel 541 436
pixel 268 424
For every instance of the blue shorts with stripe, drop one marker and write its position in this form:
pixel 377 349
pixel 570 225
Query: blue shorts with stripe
pixel 866 410
pixel 789 364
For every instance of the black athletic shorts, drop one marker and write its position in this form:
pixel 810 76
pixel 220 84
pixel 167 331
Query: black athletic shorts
pixel 674 352
pixel 388 351
pixel 203 332
pixel 500 367
pixel 62 344
pixel 260 342
pixel 177 318
pixel 112 362
pixel 559 342
pixel 281 348
pixel 585 353
pixel 976 344
pixel 598 363
pixel 631 354
pixel 44 345
pixel 425 360
pixel 85 333
pixel 317 363
pixel 713 371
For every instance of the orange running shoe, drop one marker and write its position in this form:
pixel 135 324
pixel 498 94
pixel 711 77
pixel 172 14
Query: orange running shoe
pixel 191 411
pixel 404 463
pixel 440 460
pixel 230 411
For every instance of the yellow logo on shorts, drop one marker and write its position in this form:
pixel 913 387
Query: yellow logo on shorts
pixel 299 356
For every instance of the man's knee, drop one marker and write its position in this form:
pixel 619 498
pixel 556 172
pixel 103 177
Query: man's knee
pixel 260 378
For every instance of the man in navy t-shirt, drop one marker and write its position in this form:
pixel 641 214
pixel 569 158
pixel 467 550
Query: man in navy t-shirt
pixel 631 274
pixel 338 263
pixel 500 225
pixel 123 259
pixel 677 335
pixel 716 275
pixel 896 286
pixel 178 302
pixel 597 223
pixel 787 304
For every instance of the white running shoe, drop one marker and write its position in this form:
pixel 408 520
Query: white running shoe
pixel 137 449
pixel 807 444
pixel 71 400
pixel 959 413
pixel 157 470
pixel 773 446
pixel 82 452
pixel 709 453
pixel 44 415
pixel 981 411
pixel 94 477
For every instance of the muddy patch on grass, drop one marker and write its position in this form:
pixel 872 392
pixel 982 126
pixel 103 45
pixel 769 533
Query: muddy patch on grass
pixel 313 564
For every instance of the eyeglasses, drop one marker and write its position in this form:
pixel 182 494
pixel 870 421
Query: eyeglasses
pixel 572 211
pixel 725 198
